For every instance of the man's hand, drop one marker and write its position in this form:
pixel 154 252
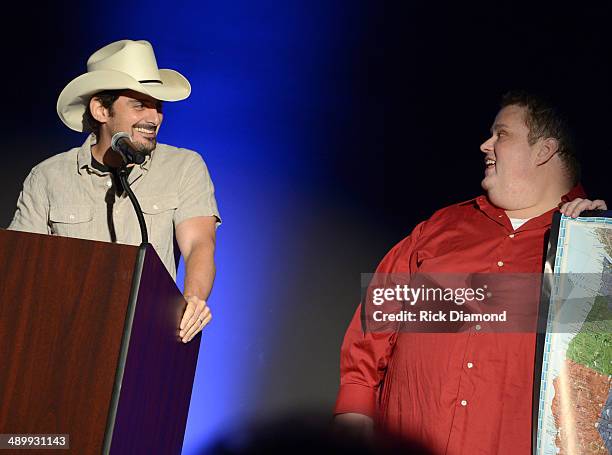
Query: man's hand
pixel 578 205
pixel 197 315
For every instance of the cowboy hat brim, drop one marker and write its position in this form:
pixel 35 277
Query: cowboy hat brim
pixel 74 99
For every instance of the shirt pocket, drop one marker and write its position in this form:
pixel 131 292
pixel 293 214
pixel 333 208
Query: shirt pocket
pixel 159 216
pixel 71 221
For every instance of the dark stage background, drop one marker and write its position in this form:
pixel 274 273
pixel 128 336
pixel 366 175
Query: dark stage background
pixel 330 128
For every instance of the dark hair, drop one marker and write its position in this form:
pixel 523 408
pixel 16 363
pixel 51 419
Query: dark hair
pixel 107 98
pixel 544 121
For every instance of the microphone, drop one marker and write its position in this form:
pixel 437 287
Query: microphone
pixel 122 144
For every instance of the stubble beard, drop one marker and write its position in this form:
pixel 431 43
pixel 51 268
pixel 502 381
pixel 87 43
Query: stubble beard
pixel 145 148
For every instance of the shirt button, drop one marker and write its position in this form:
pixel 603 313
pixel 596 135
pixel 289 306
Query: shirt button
pixel 109 183
pixel 500 263
pixel 470 364
pixel 71 217
pixel 477 327
pixel 155 206
pixel 463 403
pixel 511 236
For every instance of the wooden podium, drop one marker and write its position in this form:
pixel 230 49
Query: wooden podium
pixel 89 346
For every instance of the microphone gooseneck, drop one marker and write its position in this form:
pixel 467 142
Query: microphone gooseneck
pixel 121 144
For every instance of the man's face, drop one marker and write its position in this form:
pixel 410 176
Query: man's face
pixel 138 115
pixel 510 161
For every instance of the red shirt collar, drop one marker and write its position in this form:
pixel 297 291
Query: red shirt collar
pixel 499 215
pixel 575 192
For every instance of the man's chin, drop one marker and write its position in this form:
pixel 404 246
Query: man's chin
pixel 146 148
pixel 497 198
pixel 486 184
pixel 507 201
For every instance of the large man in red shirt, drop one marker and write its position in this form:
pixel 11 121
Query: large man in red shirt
pixel 469 392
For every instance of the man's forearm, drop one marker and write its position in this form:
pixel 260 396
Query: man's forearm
pixel 200 271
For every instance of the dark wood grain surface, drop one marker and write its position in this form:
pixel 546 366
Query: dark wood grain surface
pixel 65 312
pixel 159 371
pixel 62 311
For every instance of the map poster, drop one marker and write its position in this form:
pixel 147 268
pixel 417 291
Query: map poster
pixel 573 377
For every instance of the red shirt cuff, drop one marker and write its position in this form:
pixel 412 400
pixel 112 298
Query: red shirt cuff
pixel 356 398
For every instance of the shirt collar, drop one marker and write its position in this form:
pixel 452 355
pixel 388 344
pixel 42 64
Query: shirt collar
pixel 84 156
pixel 499 215
pixel 84 153
pixel 577 191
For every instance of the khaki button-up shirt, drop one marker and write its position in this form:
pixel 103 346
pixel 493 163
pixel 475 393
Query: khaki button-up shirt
pixel 64 195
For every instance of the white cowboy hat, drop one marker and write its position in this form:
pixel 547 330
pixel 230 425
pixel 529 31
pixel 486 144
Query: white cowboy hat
pixel 124 64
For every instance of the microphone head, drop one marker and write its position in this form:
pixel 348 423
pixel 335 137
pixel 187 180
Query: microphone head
pixel 139 158
pixel 115 141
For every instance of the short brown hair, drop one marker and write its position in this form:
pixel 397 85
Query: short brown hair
pixel 107 98
pixel 544 121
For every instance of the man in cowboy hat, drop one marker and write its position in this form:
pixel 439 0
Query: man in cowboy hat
pixel 77 193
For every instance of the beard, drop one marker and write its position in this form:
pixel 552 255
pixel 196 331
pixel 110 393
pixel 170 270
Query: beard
pixel 147 145
pixel 145 148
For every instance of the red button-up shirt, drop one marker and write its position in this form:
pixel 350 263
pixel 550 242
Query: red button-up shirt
pixel 456 393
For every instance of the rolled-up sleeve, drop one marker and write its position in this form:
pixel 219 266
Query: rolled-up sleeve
pixel 32 212
pixel 196 193
pixel 364 356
